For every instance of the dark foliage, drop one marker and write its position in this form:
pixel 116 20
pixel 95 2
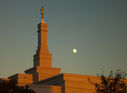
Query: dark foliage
pixel 115 82
pixel 10 86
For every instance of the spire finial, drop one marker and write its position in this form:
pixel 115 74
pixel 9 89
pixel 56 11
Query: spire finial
pixel 42 12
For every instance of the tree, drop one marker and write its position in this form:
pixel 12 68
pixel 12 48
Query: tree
pixel 10 86
pixel 115 82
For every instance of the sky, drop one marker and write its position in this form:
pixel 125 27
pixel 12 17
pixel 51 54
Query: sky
pixel 96 28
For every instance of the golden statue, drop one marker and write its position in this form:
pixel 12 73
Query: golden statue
pixel 42 12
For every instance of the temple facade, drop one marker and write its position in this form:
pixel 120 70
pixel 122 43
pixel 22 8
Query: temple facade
pixel 43 78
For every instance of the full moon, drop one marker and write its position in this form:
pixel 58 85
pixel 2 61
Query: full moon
pixel 74 50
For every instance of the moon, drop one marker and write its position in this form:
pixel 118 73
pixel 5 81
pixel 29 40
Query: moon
pixel 74 50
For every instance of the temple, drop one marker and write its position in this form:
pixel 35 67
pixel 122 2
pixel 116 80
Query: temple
pixel 43 78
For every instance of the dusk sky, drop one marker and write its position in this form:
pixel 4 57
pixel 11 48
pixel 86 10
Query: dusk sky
pixel 96 28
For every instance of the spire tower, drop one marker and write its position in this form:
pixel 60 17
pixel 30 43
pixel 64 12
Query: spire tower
pixel 42 60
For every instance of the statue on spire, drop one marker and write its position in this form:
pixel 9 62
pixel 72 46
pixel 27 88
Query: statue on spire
pixel 42 12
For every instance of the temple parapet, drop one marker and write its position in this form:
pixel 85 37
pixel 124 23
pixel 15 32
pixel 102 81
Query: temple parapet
pixel 22 79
